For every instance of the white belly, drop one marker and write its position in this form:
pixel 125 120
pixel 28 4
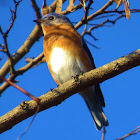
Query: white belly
pixel 58 59
pixel 63 66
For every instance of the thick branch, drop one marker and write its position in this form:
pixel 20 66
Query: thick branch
pixel 56 96
pixel 36 8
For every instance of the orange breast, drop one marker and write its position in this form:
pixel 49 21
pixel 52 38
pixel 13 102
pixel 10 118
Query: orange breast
pixel 69 41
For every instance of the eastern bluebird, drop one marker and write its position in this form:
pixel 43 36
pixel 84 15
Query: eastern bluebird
pixel 67 55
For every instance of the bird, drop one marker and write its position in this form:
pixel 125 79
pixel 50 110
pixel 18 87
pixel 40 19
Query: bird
pixel 68 55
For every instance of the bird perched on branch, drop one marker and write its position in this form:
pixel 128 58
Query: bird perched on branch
pixel 67 55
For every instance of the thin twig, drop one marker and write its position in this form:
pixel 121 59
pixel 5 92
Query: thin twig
pixel 31 64
pixel 133 132
pixel 13 17
pixel 99 12
pixel 121 11
pixel 103 133
pixel 92 44
pixel 5 34
pixel 102 24
pixel 26 130
pixel 78 6
pixel 85 16
pixel 84 31
pixel 87 8
pixel 21 89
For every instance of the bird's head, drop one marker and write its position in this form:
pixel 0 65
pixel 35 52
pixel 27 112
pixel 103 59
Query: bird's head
pixel 53 19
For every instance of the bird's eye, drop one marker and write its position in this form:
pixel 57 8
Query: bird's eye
pixel 51 18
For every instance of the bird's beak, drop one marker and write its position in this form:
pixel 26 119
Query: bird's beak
pixel 39 21
pixel 35 21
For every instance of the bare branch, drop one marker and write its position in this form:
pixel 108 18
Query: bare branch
pixel 78 6
pixel 59 6
pixel 92 44
pixel 99 12
pixel 49 9
pixel 87 9
pixel 103 133
pixel 84 31
pixel 103 23
pixel 85 16
pixel 13 17
pixel 24 49
pixel 71 5
pixel 31 64
pixel 21 89
pixel 133 132
pixel 36 9
pixel 121 11
pixel 5 46
pixel 40 59
pixel 46 9
pixel 64 91
pixel 20 71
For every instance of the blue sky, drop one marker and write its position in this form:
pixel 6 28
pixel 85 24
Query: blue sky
pixel 71 119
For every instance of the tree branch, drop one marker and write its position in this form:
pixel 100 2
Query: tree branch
pixel 20 71
pixel 133 132
pixel 59 6
pixel 36 9
pixel 13 17
pixel 99 12
pixel 32 38
pixel 103 133
pixel 5 46
pixel 78 6
pixel 56 96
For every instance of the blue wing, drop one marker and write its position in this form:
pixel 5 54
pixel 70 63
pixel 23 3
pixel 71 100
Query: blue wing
pixel 84 45
pixel 97 87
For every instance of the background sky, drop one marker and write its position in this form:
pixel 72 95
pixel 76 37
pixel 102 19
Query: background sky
pixel 71 119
